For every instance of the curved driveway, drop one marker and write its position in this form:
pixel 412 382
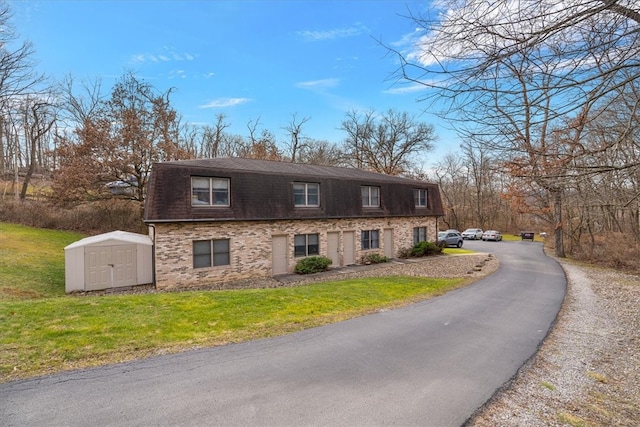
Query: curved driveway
pixel 428 364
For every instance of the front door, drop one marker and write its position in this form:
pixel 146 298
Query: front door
pixel 279 255
pixel 388 242
pixel 333 248
pixel 349 247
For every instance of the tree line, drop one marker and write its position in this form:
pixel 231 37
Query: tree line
pixel 545 98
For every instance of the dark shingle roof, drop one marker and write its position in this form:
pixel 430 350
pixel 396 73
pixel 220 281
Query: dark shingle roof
pixel 262 190
pixel 287 168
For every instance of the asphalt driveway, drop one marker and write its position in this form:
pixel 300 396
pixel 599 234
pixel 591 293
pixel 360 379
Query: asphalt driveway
pixel 428 364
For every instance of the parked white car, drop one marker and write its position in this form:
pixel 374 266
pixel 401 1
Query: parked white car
pixel 494 235
pixel 472 234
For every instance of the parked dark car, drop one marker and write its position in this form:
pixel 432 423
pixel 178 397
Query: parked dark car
pixel 527 235
pixel 451 238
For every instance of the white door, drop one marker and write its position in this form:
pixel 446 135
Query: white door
pixel 110 267
pixel 124 265
pixel 333 248
pixel 279 255
pixel 97 273
pixel 388 242
pixel 349 247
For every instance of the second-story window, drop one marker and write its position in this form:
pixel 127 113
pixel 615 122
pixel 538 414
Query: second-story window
pixel 370 196
pixel 306 194
pixel 420 198
pixel 209 191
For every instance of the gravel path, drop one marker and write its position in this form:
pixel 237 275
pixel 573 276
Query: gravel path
pixel 587 372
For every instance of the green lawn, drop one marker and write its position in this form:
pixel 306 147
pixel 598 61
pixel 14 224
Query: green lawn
pixel 42 330
pixel 32 261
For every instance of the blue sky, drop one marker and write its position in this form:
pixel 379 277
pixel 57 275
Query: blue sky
pixel 250 60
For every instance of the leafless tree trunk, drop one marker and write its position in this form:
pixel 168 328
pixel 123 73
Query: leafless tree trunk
pixel 296 139
pixel 38 121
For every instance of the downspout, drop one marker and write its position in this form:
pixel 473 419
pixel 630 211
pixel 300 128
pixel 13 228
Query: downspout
pixel 153 253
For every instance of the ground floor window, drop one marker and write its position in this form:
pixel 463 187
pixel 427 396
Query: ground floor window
pixel 306 244
pixel 209 253
pixel 370 239
pixel 419 235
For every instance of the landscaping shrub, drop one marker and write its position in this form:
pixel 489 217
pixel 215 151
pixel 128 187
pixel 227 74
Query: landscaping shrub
pixel 405 253
pixel 425 249
pixel 313 264
pixel 374 258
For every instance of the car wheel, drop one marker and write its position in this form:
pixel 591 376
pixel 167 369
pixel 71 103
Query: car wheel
pixel 460 244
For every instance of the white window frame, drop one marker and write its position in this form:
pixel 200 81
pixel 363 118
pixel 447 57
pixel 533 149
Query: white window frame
pixel 370 196
pixel 420 202
pixel 305 186
pixel 213 187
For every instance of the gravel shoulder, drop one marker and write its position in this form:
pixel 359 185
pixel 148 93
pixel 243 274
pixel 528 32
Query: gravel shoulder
pixel 587 372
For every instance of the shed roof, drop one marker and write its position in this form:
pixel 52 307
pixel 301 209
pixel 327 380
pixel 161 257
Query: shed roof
pixel 119 236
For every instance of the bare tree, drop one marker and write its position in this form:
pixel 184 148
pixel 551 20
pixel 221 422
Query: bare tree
pixel 386 144
pixel 213 137
pixel 17 79
pixel 323 153
pixel 261 145
pixel 525 78
pixel 296 138
pixel 38 121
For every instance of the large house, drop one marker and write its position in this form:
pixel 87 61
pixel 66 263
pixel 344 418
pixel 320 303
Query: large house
pixel 226 219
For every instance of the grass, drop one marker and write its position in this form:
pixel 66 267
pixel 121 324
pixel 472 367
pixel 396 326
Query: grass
pixel 516 237
pixel 572 420
pixel 548 385
pixel 42 330
pixel 456 251
pixel 32 261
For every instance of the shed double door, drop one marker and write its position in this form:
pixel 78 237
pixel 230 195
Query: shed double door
pixel 110 267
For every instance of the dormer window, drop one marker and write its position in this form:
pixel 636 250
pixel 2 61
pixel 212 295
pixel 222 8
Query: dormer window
pixel 420 197
pixel 306 194
pixel 209 191
pixel 370 196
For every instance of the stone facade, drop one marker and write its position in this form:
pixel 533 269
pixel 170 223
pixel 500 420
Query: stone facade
pixel 251 243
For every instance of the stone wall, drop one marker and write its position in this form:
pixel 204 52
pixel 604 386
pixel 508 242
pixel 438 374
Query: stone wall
pixel 251 245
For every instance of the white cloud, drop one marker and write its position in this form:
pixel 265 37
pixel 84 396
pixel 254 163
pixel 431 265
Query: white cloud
pixel 412 88
pixel 167 54
pixel 225 102
pixel 318 84
pixel 336 33
pixel 180 74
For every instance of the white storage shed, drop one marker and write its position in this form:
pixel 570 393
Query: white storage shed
pixel 111 260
